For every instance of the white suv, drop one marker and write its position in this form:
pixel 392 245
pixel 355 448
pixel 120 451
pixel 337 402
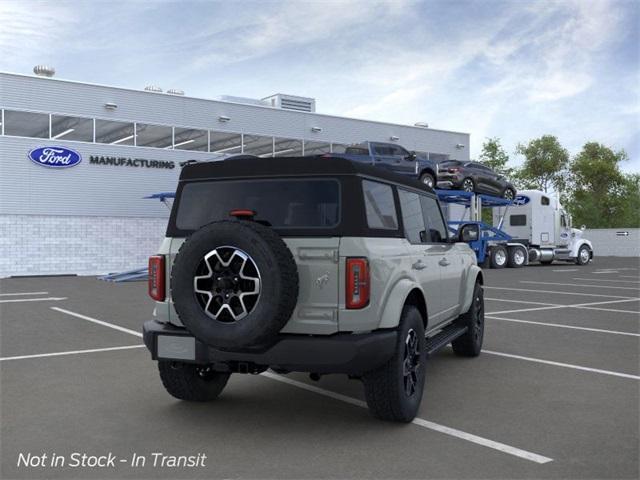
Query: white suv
pixel 317 265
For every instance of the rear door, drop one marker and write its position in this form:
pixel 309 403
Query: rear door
pixel 445 255
pixel 424 256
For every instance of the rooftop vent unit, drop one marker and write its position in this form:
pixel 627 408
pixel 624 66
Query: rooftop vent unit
pixel 153 88
pixel 291 102
pixel 44 71
pixel 175 91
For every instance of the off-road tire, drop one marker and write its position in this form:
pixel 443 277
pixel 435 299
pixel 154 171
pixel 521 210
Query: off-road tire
pixel 512 260
pixel 497 253
pixel 470 344
pixel 278 284
pixel 384 388
pixel 193 383
pixel 428 179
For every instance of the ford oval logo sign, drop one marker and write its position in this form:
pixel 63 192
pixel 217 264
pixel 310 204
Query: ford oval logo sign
pixel 55 157
pixel 521 200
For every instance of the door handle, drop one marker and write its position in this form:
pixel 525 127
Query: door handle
pixel 418 265
pixel 444 262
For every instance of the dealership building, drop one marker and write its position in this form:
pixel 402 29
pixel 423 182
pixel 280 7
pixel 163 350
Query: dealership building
pixel 77 160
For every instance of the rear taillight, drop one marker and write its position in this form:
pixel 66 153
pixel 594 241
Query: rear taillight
pixel 156 277
pixel 357 285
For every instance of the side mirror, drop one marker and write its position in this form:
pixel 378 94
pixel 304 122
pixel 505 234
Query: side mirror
pixel 411 157
pixel 469 232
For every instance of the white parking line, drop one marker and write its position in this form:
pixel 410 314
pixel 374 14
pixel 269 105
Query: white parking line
pixel 19 300
pixel 587 306
pixel 580 285
pixel 604 280
pixel 572 327
pixel 23 293
pixel 518 301
pixel 556 292
pixel 71 352
pixel 567 270
pixel 99 322
pixel 564 365
pixel 517 452
pixel 628 276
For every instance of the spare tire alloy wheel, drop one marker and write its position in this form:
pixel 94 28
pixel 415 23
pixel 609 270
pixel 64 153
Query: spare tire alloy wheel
pixel 234 284
pixel 230 286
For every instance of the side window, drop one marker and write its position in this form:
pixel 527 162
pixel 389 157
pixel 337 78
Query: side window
pixel 436 228
pixel 563 220
pixel 399 152
pixel 544 201
pixel 412 217
pixel 518 220
pixel 380 206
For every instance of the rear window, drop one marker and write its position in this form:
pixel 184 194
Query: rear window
pixel 357 150
pixel 290 203
pixel 380 206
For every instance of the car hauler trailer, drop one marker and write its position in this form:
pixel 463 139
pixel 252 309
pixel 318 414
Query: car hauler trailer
pixel 539 221
pixel 493 246
pixel 532 228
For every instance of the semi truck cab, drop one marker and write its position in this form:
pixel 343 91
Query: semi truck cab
pixel 538 221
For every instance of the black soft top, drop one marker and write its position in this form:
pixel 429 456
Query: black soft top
pixel 253 167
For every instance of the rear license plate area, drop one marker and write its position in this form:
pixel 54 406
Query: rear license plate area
pixel 172 347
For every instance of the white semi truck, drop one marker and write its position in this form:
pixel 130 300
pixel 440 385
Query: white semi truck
pixel 538 221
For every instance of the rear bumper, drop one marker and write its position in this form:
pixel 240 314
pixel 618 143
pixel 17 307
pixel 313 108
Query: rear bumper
pixel 340 353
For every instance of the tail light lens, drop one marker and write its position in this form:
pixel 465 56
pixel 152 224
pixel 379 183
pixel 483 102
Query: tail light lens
pixel 358 283
pixel 156 278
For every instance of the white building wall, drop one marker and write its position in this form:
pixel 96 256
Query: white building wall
pixel 53 245
pixel 612 242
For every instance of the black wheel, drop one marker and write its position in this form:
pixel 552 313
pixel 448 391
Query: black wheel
pixel 428 179
pixel 470 344
pixel 584 255
pixel 394 391
pixel 498 256
pixel 195 383
pixel 234 284
pixel 468 185
pixel 517 257
pixel 508 194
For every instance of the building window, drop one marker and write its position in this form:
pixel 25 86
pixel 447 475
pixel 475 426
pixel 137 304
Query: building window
pixel 258 145
pixel 338 148
pixel 71 128
pixel 190 139
pixel 114 133
pixel 225 143
pixel 380 207
pixel 157 136
pixel 316 148
pixel 287 147
pixel 26 124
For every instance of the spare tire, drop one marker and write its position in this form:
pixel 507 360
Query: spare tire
pixel 234 284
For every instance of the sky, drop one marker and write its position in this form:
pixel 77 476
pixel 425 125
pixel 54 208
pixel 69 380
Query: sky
pixel 509 69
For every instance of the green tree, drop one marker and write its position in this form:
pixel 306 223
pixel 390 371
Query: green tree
pixel 494 156
pixel 600 195
pixel 544 165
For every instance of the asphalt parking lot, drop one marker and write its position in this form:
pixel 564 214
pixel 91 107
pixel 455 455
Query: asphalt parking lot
pixel 555 393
